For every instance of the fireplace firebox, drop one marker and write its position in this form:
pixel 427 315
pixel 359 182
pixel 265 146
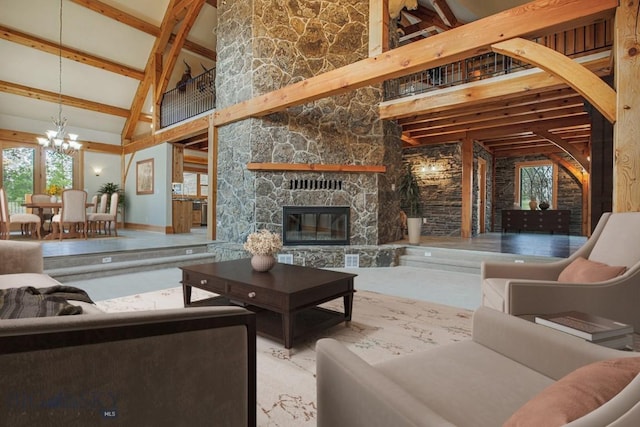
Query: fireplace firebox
pixel 315 225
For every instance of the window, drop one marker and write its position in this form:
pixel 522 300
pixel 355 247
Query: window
pixel 536 180
pixel 18 166
pixel 195 184
pixel 30 169
pixel 59 169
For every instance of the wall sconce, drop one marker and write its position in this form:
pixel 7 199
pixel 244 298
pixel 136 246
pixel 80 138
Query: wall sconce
pixel 97 171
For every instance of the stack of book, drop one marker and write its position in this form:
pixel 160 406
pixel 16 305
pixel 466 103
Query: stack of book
pixel 595 329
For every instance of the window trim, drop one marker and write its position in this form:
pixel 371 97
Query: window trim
pixel 533 163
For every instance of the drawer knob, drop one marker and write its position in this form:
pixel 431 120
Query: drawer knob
pixel 203 281
pixel 251 295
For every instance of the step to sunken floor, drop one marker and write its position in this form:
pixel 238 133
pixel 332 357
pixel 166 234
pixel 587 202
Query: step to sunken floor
pixel 459 260
pixel 80 267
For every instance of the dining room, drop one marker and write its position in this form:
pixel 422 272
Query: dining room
pixel 72 215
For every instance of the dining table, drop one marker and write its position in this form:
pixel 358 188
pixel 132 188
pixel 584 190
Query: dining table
pixel 39 208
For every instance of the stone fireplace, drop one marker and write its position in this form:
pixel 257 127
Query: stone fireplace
pixel 264 45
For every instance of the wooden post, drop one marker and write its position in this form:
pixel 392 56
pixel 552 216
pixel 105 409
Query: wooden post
pixel 467 188
pixel 378 27
pixel 212 172
pixel 626 163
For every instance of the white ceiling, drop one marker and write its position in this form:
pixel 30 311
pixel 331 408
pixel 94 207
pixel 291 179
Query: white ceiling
pixel 104 37
pixel 94 33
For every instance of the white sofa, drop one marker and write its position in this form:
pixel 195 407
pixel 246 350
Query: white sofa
pixel 475 383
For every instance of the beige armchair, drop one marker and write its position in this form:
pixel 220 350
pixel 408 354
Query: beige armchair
pixel 526 289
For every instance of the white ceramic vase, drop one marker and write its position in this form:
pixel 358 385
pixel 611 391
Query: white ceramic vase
pixel 263 263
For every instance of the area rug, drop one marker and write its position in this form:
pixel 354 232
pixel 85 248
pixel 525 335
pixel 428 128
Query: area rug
pixel 382 327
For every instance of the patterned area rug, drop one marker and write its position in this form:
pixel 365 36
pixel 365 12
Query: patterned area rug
pixel 382 327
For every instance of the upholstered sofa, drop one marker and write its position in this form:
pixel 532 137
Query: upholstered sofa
pixel 187 366
pixel 22 264
pixel 483 381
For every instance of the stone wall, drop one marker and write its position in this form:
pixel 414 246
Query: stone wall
pixel 438 169
pixel 264 45
pixel 569 190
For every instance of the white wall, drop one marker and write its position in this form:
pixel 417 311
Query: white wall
pixel 110 171
pixel 150 209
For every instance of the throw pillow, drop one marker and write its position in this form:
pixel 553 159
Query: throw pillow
pixel 576 394
pixel 585 271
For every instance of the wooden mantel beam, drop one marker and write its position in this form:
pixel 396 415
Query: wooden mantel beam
pixel 456 44
pixel 312 167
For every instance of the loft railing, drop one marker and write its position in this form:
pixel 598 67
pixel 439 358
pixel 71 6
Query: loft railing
pixel 189 99
pixel 573 43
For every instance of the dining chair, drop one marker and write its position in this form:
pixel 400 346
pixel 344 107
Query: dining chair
pixel 73 213
pixel 107 218
pixel 45 213
pixel 32 220
pixel 94 222
pixel 90 211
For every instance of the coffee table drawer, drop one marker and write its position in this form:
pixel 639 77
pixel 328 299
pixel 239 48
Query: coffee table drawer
pixel 255 296
pixel 204 281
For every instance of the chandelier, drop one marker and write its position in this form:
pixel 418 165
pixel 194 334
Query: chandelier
pixel 58 139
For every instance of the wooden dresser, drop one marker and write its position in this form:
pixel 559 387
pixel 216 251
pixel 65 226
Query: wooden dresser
pixel 553 221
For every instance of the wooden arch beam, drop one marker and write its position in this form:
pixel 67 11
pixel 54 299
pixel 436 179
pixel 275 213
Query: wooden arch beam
pixel 566 147
pixel 586 83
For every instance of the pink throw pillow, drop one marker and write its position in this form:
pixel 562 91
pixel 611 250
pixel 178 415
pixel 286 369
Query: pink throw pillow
pixel 576 394
pixel 584 271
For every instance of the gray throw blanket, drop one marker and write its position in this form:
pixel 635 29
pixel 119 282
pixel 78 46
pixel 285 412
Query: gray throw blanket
pixel 28 301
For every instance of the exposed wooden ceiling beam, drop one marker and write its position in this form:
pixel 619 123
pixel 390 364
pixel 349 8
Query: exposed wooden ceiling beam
pixel 168 23
pixel 523 120
pixel 444 11
pixel 172 134
pixel 193 9
pixel 68 53
pixel 566 147
pixel 515 113
pixel 141 25
pixel 493 106
pixel 585 82
pixel 30 138
pixel 450 46
pixel 495 89
pixel 44 95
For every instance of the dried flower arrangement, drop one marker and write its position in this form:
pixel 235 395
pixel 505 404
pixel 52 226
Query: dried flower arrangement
pixel 263 242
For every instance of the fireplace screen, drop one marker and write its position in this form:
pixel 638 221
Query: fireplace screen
pixel 315 225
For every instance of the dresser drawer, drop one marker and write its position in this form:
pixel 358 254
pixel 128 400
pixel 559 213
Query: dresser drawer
pixel 204 281
pixel 253 296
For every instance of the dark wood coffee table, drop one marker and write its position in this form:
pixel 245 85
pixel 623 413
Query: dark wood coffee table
pixel 285 299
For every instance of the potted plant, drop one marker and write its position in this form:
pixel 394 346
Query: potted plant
pixel 410 204
pixel 110 188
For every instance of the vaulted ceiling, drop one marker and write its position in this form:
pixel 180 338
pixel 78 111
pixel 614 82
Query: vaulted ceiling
pixel 109 48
